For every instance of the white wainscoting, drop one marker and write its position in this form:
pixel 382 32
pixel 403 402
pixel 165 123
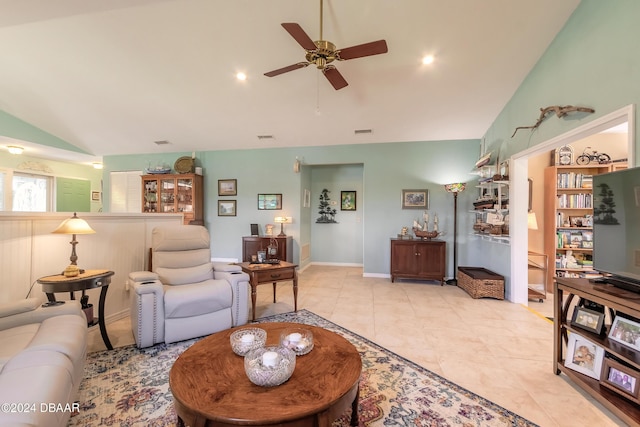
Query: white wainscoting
pixel 29 251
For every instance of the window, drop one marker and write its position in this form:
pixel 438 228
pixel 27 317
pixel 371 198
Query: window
pixel 126 192
pixel 31 193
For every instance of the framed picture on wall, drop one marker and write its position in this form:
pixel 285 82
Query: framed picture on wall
pixel 415 199
pixel 269 202
pixel 227 187
pixel 95 196
pixel 347 200
pixel 226 208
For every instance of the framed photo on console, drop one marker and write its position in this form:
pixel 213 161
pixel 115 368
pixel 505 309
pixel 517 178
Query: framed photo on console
pixel 588 320
pixel 584 356
pixel 626 332
pixel 621 379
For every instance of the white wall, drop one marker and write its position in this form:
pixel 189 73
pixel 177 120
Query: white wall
pixel 29 251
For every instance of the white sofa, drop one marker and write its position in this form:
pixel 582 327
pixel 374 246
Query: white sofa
pixel 42 355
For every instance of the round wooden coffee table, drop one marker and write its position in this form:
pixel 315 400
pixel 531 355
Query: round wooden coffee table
pixel 211 388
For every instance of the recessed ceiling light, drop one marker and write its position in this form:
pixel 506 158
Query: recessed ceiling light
pixel 14 149
pixel 97 165
pixel 428 59
pixel 241 76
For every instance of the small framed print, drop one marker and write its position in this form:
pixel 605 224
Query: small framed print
pixel 621 379
pixel 227 187
pixel 587 244
pixel 347 200
pixel 415 199
pixel 626 332
pixel 588 320
pixel 95 196
pixel 269 202
pixel 226 208
pixel 577 221
pixel 584 356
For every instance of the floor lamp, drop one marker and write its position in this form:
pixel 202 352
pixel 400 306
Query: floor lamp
pixel 455 188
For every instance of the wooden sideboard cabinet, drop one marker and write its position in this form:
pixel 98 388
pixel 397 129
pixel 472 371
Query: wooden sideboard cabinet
pixel 252 244
pixel 418 259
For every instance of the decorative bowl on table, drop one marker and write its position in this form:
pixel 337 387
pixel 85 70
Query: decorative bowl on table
pixel 298 340
pixel 269 366
pixel 247 339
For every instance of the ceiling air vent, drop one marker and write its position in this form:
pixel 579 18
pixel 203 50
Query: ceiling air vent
pixel 265 136
pixel 362 131
pixel 164 142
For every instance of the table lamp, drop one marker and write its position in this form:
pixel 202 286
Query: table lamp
pixel 73 226
pixel 282 220
pixel 455 188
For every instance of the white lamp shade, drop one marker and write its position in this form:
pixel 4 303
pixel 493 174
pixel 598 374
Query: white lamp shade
pixel 74 225
pixel 283 219
pixel 532 223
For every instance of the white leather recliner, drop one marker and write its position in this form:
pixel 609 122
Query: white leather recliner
pixel 186 295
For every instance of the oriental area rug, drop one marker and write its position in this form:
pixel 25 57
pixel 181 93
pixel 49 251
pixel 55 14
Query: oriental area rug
pixel 130 387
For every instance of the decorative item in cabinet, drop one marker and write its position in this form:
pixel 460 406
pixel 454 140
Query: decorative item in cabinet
pixel 623 404
pixel 174 193
pixel 568 225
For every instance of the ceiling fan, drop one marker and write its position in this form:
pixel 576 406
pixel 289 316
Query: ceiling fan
pixel 322 53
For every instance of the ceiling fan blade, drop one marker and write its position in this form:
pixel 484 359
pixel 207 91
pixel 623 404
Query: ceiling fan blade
pixel 367 49
pixel 301 37
pixel 335 78
pixel 286 69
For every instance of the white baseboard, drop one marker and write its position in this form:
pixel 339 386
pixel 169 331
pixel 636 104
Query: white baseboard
pixel 337 264
pixel 377 275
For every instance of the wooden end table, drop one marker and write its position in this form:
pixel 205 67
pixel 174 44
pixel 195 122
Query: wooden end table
pixel 90 279
pixel 260 274
pixel 210 386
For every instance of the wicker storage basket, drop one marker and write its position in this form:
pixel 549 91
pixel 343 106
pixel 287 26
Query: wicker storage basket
pixel 480 282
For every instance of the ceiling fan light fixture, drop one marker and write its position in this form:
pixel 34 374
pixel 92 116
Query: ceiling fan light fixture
pixel 428 59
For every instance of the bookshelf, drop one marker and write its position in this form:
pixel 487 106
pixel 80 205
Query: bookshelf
pixel 568 224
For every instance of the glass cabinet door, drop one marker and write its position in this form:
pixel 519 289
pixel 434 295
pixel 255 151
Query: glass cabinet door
pixel 167 196
pixel 184 195
pixel 150 195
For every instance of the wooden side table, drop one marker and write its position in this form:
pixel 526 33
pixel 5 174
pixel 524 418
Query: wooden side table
pixel 270 273
pixel 90 279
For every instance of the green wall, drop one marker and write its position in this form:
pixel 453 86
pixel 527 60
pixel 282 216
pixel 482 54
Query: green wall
pixel 28 164
pixel 593 62
pixel 387 169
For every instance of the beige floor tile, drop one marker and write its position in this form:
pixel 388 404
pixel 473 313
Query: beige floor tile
pixel 499 350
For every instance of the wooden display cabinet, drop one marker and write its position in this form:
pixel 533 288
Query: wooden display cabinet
pixel 418 259
pixel 615 300
pixel 179 193
pixel 252 244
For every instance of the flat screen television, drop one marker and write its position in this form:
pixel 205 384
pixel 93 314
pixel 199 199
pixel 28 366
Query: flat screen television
pixel 616 227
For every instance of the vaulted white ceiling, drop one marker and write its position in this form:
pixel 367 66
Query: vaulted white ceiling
pixel 112 77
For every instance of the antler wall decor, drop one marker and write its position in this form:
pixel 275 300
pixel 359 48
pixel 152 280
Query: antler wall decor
pixel 560 112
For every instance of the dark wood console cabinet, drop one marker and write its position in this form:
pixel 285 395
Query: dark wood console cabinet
pixel 567 292
pixel 252 244
pixel 418 259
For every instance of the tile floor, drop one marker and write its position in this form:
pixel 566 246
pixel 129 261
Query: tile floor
pixel 499 350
